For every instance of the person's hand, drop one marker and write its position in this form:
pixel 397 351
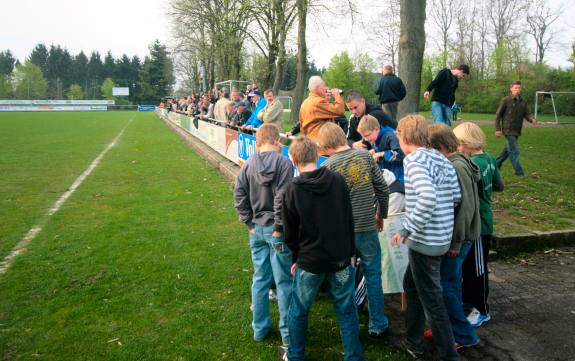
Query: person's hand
pixel 335 92
pixel 252 230
pixel 277 234
pixel 358 145
pixel 352 262
pixel 375 156
pixel 288 134
pixel 534 122
pixel 453 253
pixel 292 268
pixel 498 133
pixel 395 240
pixel 379 222
pixel 426 95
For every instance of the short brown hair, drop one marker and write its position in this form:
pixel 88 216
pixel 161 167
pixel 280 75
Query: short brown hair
pixel 368 123
pixel 516 82
pixel 470 135
pixel 330 136
pixel 414 129
pixel 269 91
pixel 303 151
pixel 440 135
pixel 267 134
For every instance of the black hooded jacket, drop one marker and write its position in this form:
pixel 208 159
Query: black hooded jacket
pixel 318 222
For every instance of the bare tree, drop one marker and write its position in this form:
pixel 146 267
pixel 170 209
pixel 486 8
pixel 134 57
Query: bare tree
pixel 302 7
pixel 442 14
pixel 386 33
pixel 411 48
pixel 540 18
pixel 503 15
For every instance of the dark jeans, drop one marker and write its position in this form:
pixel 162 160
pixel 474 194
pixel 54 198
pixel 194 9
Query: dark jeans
pixel 511 151
pixel 422 285
pixel 390 109
pixel 475 285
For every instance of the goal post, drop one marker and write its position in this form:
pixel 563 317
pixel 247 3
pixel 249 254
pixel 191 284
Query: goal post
pixel 550 95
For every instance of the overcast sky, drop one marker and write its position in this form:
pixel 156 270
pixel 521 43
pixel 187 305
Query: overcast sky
pixel 129 26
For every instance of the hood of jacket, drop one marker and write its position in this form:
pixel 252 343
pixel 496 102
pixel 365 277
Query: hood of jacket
pixel 471 168
pixel 317 181
pixel 266 165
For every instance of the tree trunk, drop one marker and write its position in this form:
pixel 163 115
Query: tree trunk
pixel 280 65
pixel 302 6
pixel 411 47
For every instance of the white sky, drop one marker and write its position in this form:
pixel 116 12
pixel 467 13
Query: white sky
pixel 129 26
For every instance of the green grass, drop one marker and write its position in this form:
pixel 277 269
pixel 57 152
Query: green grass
pixel 145 261
pixel 491 117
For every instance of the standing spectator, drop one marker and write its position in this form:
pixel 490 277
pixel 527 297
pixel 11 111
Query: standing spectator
pixel 364 180
pixel 323 248
pixel 431 194
pixel 444 86
pixel 221 106
pixel 254 122
pixel 273 112
pixel 257 198
pixel 390 90
pixel 475 271
pixel 359 107
pixel 466 230
pixel 236 99
pixel 509 122
pixel 315 111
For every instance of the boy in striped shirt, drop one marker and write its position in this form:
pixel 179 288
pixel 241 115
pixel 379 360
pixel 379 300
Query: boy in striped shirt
pixel 431 194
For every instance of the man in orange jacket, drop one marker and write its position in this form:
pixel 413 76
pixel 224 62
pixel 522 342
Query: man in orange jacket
pixel 316 110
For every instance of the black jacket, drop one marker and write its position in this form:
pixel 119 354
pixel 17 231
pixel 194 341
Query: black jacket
pixel 443 86
pixel 318 222
pixel 390 89
pixel 377 113
pixel 510 115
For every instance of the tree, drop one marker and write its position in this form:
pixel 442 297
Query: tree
pixel 411 48
pixel 339 73
pixel 39 56
pixel 5 87
pixel 109 66
pixel 75 92
pixel 442 13
pixel 80 71
pixel 157 75
pixel 94 77
pixel 503 15
pixel 364 75
pixel 58 71
pixel 572 56
pixel 302 9
pixel 29 82
pixel 107 89
pixel 7 62
pixel 386 34
pixel 540 18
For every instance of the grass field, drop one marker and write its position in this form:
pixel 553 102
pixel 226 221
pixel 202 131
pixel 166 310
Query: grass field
pixel 146 261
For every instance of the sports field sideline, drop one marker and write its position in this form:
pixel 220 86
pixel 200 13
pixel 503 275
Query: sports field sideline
pixel 146 260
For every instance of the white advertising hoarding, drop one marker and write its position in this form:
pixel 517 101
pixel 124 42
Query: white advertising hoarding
pixel 119 92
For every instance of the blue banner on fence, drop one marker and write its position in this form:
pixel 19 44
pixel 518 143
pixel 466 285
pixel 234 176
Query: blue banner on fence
pixel 246 145
pixel 146 108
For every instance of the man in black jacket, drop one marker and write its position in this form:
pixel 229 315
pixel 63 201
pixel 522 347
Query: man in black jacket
pixel 444 86
pixel 322 244
pixel 358 107
pixel 390 90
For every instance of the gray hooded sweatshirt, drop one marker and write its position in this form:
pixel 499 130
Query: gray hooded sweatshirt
pixel 259 184
pixel 467 226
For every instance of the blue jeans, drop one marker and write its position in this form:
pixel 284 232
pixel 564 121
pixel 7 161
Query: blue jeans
pixel 422 285
pixel 441 113
pixel 342 290
pixel 369 249
pixel 511 151
pixel 451 270
pixel 271 259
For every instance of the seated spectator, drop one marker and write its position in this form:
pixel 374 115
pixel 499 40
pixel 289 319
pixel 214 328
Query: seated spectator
pixel 273 112
pixel 254 122
pixel 316 110
pixel 358 107
pixel 206 110
pixel 243 114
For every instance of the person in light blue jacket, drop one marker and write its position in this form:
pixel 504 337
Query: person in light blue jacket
pixel 253 122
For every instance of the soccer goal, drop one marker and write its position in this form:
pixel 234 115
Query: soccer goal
pixel 552 96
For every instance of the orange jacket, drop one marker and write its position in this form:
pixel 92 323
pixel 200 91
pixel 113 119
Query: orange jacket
pixel 315 111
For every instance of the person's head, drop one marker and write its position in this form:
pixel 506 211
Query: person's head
pixel 316 84
pixel 241 108
pixel 515 88
pixel 413 132
pixel 442 138
pixel 329 137
pixel 387 70
pixel 267 135
pixel 255 96
pixel 269 95
pixel 355 103
pixel 461 71
pixel 303 152
pixel 368 127
pixel 471 138
pixel 235 95
pixel 225 93
pixel 230 107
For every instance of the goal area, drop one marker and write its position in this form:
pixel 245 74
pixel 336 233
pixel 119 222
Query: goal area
pixel 557 105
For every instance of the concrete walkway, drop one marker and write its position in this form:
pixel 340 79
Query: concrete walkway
pixel 532 308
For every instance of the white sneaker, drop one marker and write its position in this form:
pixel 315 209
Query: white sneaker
pixel 473 317
pixel 272 295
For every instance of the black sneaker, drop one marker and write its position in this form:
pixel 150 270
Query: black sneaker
pixel 283 353
pixel 411 351
pixel 379 335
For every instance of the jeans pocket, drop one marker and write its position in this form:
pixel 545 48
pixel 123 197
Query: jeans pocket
pixel 279 245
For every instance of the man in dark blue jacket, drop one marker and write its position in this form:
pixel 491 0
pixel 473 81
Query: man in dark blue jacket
pixel 390 90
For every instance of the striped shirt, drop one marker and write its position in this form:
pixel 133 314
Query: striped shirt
pixel 431 194
pixel 365 183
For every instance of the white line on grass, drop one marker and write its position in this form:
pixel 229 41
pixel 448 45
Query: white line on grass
pixel 33 232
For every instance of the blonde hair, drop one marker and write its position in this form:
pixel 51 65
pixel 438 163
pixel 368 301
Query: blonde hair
pixel 368 123
pixel 413 129
pixel 303 151
pixel 440 135
pixel 330 136
pixel 267 134
pixel 470 135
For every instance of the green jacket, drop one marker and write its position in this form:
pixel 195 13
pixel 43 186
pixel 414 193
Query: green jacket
pixel 467 223
pixel 510 115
